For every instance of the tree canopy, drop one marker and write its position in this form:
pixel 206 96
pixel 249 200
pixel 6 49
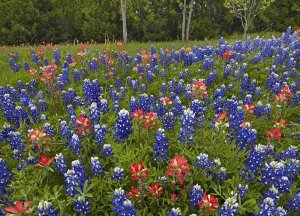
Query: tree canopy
pixel 38 21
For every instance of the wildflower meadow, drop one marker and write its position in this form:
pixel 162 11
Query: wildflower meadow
pixel 203 129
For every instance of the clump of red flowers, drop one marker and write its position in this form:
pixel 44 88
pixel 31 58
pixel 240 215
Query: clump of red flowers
pixel 284 96
pixel 149 119
pixel 166 101
pixel 134 193
pixel 178 167
pixel 280 124
pixel 209 202
pixel 156 190
pixel 249 109
pixel 38 138
pixel 199 90
pixel 45 161
pixel 138 172
pixel 19 208
pixel 227 55
pixel 274 134
pixel 83 124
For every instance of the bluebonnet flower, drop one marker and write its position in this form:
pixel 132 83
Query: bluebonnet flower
pixel 76 75
pixel 107 150
pixel 48 129
pixel 57 56
pixel 221 174
pixel 78 101
pixel 168 121
pixel 16 143
pixel 60 163
pixel 259 109
pixel 207 63
pixel 244 82
pixel 100 132
pixel 82 205
pixel 246 137
pixel 75 177
pixel 272 193
pixel 274 173
pixel 242 190
pixel 34 113
pixel 203 161
pixel 211 77
pixel 127 209
pixel 95 114
pixel 187 127
pixel 118 173
pixel 43 106
pixel 178 108
pixel 161 146
pixel 31 160
pixel 24 98
pixel 123 126
pixel 96 166
pixel 230 207
pixel 45 209
pixel 256 159
pixel 119 198
pixel 175 212
pixel 5 176
pixel 104 108
pixel 293 205
pixel 75 144
pixel 196 193
pixel 268 208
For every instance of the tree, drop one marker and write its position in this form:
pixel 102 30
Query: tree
pixel 247 10
pixel 191 6
pixel 123 9
pixel 183 21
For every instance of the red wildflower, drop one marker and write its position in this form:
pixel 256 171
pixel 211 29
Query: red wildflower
pixel 284 95
pixel 280 124
pixel 134 193
pixel 208 201
pixel 199 90
pixel 227 55
pixel 156 190
pixel 245 124
pixel 32 71
pixel 45 161
pixel 38 137
pixel 249 108
pixel 83 124
pixel 138 171
pixel 150 120
pixel 19 209
pixel 137 114
pixel 167 101
pixel 178 166
pixel 173 196
pixel 222 117
pixel 47 76
pixel 274 134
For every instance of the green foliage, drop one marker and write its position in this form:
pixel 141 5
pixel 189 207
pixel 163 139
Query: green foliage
pixel 43 21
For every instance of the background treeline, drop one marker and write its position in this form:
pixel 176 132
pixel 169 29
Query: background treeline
pixel 38 21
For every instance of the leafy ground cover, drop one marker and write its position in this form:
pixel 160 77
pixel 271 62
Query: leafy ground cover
pixel 211 128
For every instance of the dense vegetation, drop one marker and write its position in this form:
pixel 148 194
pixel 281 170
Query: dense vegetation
pixel 38 21
pixel 116 130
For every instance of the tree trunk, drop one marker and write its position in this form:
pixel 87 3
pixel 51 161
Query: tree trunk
pixel 123 8
pixel 245 29
pixel 191 5
pixel 183 21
